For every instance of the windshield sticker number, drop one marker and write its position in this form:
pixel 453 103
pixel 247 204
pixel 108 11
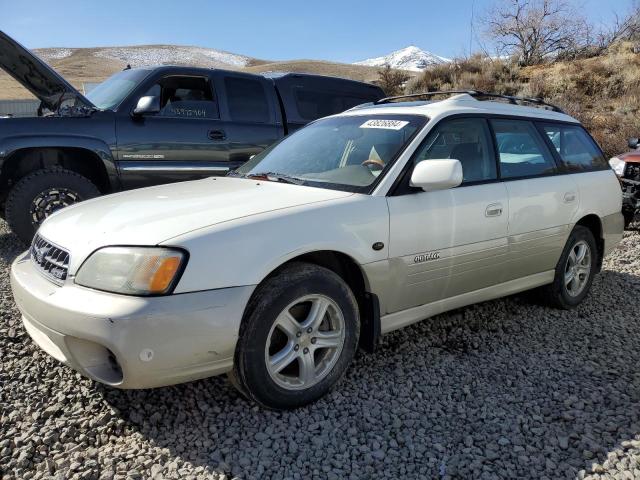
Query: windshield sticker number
pixel 385 124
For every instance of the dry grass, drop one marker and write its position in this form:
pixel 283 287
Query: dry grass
pixel 603 92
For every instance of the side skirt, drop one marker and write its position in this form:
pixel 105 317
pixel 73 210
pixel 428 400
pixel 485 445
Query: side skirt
pixel 396 320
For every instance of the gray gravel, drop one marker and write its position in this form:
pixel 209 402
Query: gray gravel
pixel 506 389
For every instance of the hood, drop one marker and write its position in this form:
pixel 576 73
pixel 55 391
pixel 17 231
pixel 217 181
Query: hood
pixel 631 157
pixel 36 76
pixel 150 216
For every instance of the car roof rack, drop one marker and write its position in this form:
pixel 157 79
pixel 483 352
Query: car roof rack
pixel 478 95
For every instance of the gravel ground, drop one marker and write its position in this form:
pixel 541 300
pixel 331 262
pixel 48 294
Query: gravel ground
pixel 506 389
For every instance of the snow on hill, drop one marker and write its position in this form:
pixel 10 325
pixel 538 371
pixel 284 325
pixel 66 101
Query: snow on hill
pixel 145 55
pixel 172 54
pixel 410 58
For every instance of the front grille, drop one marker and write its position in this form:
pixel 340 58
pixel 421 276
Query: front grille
pixel 51 260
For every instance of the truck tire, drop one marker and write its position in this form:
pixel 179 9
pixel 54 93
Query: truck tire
pixel 298 336
pixel 40 193
pixel 574 272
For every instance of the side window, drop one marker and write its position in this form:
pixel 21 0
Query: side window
pixel 522 150
pixel 185 97
pixel 247 100
pixel 576 149
pixel 465 139
pixel 313 104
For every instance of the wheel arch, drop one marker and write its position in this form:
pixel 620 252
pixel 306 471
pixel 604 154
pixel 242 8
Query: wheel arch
pixel 594 224
pixel 89 158
pixel 347 268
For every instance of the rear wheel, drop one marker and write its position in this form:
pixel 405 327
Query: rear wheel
pixel 298 337
pixel 574 272
pixel 41 193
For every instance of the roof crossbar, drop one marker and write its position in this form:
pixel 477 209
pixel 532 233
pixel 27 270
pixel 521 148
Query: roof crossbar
pixel 478 95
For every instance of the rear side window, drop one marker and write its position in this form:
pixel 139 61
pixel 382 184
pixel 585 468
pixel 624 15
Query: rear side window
pixel 313 104
pixel 522 151
pixel 576 149
pixel 247 100
pixel 466 140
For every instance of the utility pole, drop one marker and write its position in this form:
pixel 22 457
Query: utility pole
pixel 471 28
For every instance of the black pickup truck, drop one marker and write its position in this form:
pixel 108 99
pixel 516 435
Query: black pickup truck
pixel 146 126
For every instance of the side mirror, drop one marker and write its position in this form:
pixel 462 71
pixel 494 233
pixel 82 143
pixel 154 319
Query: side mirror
pixel 437 174
pixel 147 105
pixel 633 143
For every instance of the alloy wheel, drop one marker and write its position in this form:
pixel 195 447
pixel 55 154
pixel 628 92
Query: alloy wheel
pixel 50 201
pixel 305 342
pixel 578 268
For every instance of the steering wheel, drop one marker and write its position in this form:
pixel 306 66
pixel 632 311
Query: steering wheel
pixel 373 162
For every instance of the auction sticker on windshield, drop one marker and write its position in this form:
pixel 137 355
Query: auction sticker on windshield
pixel 386 124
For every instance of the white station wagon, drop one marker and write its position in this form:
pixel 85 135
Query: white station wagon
pixel 354 226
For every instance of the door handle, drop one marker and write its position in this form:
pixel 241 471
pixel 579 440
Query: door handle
pixel 493 210
pixel 216 135
pixel 569 197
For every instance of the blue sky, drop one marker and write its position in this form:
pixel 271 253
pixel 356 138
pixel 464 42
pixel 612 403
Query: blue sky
pixel 345 30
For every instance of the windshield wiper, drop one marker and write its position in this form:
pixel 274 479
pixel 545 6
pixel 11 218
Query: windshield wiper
pixel 274 176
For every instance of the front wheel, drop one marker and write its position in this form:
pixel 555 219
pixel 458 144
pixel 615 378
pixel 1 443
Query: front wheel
pixel 41 193
pixel 574 272
pixel 298 337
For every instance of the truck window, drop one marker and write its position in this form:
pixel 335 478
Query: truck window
pixel 313 104
pixel 247 100
pixel 576 149
pixel 185 97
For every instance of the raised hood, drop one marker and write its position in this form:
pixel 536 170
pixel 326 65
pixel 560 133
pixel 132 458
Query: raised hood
pixel 36 76
pixel 150 216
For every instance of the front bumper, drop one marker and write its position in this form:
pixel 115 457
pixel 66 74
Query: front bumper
pixel 126 341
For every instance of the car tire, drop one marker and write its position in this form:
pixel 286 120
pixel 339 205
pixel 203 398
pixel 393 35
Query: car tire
pixel 297 338
pixel 39 194
pixel 574 272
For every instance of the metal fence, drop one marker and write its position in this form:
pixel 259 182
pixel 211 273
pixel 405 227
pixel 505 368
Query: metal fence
pixel 19 108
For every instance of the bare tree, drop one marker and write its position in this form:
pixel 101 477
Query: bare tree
pixel 392 81
pixel 535 30
pixel 623 27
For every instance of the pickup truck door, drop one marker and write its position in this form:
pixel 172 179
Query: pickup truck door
pixel 250 113
pixel 185 140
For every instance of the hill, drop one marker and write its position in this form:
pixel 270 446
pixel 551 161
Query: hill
pixel 90 65
pixel 410 58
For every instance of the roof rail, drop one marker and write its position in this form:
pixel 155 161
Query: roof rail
pixel 478 95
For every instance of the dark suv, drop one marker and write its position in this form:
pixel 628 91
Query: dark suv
pixel 146 126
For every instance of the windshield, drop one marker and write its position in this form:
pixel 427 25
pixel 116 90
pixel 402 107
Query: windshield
pixel 345 153
pixel 113 90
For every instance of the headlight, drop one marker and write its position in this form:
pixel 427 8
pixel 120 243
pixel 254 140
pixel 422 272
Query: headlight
pixel 132 270
pixel 617 165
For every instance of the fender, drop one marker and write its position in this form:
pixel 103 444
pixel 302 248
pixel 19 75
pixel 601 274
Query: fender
pixel 10 145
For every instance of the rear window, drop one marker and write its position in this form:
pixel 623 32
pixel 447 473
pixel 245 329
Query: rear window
pixel 577 150
pixel 313 104
pixel 522 151
pixel 247 100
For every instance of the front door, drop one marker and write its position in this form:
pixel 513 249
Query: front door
pixel 449 242
pixel 183 141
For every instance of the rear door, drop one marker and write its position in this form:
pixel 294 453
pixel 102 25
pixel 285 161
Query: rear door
pixel 449 242
pixel 541 201
pixel 181 142
pixel 250 119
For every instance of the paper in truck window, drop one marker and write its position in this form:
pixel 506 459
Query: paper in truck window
pixel 385 124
